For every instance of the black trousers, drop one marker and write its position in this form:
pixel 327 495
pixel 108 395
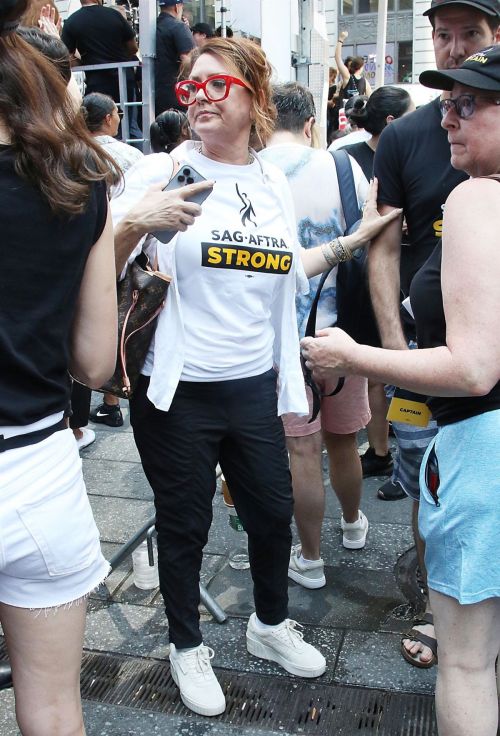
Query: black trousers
pixel 234 423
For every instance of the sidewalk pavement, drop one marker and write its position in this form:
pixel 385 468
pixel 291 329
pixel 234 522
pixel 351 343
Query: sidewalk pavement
pixel 356 620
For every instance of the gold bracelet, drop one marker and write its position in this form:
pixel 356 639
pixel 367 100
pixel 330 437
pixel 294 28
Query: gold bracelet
pixel 342 253
pixel 328 256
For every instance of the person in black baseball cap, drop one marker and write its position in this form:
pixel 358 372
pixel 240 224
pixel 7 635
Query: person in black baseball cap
pixel 420 183
pixel 455 301
pixel 490 7
pixel 202 31
pixel 469 114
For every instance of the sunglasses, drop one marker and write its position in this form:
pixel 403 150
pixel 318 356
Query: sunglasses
pixel 464 105
pixel 216 88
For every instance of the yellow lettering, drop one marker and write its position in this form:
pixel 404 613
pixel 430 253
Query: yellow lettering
pixel 229 253
pixel 438 228
pixel 273 261
pixel 242 258
pixel 286 260
pixel 258 260
pixel 214 255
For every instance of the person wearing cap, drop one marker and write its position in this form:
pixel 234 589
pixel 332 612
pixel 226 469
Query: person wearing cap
pixel 456 302
pixel 412 164
pixel 201 32
pixel 174 41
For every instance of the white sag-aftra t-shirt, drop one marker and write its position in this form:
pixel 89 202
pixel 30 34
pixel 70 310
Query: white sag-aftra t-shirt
pixel 230 265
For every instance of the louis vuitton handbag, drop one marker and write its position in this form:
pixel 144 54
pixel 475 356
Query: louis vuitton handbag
pixel 141 297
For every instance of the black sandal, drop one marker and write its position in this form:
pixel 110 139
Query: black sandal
pixel 428 641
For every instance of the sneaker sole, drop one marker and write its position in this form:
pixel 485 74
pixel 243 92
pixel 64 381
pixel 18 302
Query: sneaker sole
pixel 192 705
pixel 310 583
pixel 103 420
pixel 258 649
pixel 357 543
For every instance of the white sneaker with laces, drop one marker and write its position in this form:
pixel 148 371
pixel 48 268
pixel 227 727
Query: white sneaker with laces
pixel 285 645
pixel 354 535
pixel 309 574
pixel 193 674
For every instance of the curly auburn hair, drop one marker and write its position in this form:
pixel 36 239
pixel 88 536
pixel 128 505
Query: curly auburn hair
pixel 251 64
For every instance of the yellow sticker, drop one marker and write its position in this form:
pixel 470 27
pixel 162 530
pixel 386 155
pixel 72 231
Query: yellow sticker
pixel 410 412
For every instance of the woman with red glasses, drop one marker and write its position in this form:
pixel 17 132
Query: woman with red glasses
pixel 456 302
pixel 208 392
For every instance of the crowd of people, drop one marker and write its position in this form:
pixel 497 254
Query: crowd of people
pixel 232 377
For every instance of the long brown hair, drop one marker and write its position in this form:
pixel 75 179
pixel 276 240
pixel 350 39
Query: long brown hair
pixel 52 146
pixel 252 65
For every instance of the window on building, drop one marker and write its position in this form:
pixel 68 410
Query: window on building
pixel 371 6
pixel 347 7
pixel 405 61
pixel 200 10
pixel 405 4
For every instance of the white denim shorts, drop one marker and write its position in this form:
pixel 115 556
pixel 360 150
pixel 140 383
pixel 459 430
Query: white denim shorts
pixel 50 552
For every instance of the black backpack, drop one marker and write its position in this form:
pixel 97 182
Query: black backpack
pixel 354 308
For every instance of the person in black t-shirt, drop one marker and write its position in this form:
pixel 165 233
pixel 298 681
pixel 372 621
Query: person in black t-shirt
pixel 101 36
pixel 384 106
pixel 412 164
pixel 456 303
pixel 57 313
pixel 174 41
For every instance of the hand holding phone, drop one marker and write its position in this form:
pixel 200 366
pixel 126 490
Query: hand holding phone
pixel 199 190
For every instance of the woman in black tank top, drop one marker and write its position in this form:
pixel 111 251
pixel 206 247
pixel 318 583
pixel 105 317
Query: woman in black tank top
pixel 57 313
pixel 456 302
pixel 353 81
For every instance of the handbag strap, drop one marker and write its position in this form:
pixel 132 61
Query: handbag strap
pixel 347 188
pixel 349 200
pixel 311 332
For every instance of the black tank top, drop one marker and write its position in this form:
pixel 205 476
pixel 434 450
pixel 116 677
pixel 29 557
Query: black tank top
pixel 354 87
pixel 43 257
pixel 427 305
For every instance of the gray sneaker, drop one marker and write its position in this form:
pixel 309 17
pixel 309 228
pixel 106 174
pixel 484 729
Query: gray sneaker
pixel 310 575
pixel 354 535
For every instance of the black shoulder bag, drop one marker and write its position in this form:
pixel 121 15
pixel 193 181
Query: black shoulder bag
pixel 354 307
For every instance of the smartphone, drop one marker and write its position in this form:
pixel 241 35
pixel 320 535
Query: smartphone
pixel 184 176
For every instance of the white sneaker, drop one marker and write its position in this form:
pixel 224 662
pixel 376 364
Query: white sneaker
pixel 286 646
pixel 193 674
pixel 88 436
pixel 354 535
pixel 308 574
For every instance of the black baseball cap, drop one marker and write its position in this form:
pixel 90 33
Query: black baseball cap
pixel 481 70
pixel 204 28
pixel 490 7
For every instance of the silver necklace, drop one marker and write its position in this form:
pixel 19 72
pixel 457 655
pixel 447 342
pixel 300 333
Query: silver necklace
pixel 250 160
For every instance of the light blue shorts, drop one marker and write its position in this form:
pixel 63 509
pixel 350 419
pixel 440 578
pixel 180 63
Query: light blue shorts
pixel 462 533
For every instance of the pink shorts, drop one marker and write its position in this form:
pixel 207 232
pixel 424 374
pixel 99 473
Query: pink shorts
pixel 345 413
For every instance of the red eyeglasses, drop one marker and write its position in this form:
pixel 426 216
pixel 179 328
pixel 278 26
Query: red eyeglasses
pixel 216 88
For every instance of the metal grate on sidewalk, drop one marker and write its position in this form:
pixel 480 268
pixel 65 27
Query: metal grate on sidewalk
pixel 262 702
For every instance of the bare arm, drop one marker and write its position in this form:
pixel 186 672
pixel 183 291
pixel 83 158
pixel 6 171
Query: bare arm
pixel 469 363
pixel 314 261
pixel 368 90
pixel 157 210
pixel 384 278
pixel 94 331
pixel 343 70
